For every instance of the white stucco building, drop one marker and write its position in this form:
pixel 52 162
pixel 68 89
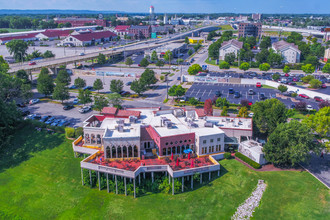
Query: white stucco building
pixel 231 46
pixel 289 51
pixel 252 150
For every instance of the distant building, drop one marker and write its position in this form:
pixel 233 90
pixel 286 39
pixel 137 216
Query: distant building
pixel 165 19
pixel 249 29
pixel 77 22
pixel 231 46
pixel 24 37
pixel 175 48
pixel 196 40
pixel 289 51
pixel 241 18
pixel 140 31
pixel 327 34
pixel 122 30
pixel 53 34
pixel 326 55
pixel 88 39
pixel 161 29
pixel 256 17
pixel 122 19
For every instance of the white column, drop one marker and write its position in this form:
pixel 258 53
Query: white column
pixel 116 185
pixel 107 182
pixel 125 186
pixel 134 187
pixel 98 177
pixel 82 176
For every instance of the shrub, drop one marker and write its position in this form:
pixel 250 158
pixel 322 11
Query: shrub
pixel 70 132
pixel 247 160
pixel 79 132
pixel 227 155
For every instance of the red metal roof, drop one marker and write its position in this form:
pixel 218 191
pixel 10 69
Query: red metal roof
pixel 122 27
pixel 94 35
pixel 57 33
pixel 109 110
pixel 20 37
pixel 126 113
pixel 200 112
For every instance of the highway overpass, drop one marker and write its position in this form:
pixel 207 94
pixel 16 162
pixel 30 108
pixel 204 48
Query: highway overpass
pixel 298 30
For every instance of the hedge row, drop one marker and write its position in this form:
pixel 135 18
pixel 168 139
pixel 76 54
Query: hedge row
pixel 247 160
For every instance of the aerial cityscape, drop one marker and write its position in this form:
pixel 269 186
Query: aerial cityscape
pixel 165 109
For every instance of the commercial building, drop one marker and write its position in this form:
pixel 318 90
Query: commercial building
pixel 130 142
pixel 289 51
pixel 175 48
pixel 53 34
pixel 196 40
pixel 253 150
pixel 87 39
pixel 326 55
pixel 77 22
pixel 122 30
pixel 231 46
pixel 249 29
pixel 139 31
pixel 256 17
pixel 24 37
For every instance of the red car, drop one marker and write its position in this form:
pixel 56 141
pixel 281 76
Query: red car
pixel 32 63
pixel 286 75
pixel 258 85
pixel 304 96
pixel 318 98
pixel 323 86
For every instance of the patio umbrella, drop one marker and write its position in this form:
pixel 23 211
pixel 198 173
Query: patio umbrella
pixel 192 163
pixel 177 162
pixel 172 156
pixel 189 156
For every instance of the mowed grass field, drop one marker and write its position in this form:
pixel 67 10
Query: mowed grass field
pixel 40 179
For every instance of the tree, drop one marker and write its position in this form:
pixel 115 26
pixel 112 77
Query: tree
pixel 144 62
pixel 308 68
pixel 79 82
pixel 138 87
pixel 224 111
pixel 208 110
pixel 268 115
pixel 26 92
pixel 224 65
pixel 45 83
pixel 244 66
pixel 313 60
pixel 326 68
pixel 274 59
pixel 176 90
pixel 98 85
pixel 319 122
pixel 101 59
pixel 245 103
pixel 193 101
pixel 129 61
pixel 61 92
pixel 307 79
pixel 294 37
pixel 243 112
pixel 168 56
pixel 154 56
pixel 276 76
pixel 116 86
pixel 261 57
pixel 18 48
pixel 179 61
pixel 160 63
pixel 315 84
pixel 115 99
pixel 186 40
pixel 84 96
pixel 252 41
pixel 100 102
pixel 301 106
pixel 190 52
pixel 194 69
pixel 48 54
pixel 63 77
pixel 282 88
pixel 148 78
pixel 289 144
pixel 265 43
pixel 197 46
pixel 230 58
pixel 221 102
pixel 21 74
pixel 264 67
pixel 286 69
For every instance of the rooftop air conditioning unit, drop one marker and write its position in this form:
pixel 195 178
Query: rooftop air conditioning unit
pixel 208 124
pixel 120 128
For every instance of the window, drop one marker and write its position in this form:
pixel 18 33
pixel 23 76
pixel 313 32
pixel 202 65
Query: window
pixel 166 143
pixel 211 140
pixel 219 139
pixel 209 149
pixel 171 143
pixel 204 141
pixel 212 148
pixel 180 141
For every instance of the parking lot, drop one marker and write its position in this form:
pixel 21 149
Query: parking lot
pixel 204 91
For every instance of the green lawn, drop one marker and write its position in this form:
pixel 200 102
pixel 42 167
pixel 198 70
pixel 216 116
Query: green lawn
pixel 10 30
pixel 268 87
pixel 226 27
pixel 40 179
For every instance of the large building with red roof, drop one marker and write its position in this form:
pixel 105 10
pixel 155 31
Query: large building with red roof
pixel 53 34
pixel 78 22
pixel 88 38
pixel 24 37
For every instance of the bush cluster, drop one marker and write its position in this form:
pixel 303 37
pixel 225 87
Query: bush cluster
pixel 227 155
pixel 73 133
pixel 247 160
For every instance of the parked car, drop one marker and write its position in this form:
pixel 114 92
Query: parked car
pixel 237 94
pixel 32 63
pixel 34 101
pixel 75 101
pixel 309 108
pixel 262 96
pixel 25 113
pixel 304 96
pixel 251 92
pixel 55 122
pixel 231 91
pixel 68 107
pixel 217 93
pixel 21 105
pixel 192 60
pixel 179 78
pixel 36 117
pixel 72 87
pixel 258 85
pixel 63 123
pixel 124 93
pixel 82 54
pixel 50 120
pixel 251 114
pixel 30 116
pixel 44 118
pixel 292 83
pixel 128 83
pixel 88 87
pixel 323 86
pixel 85 109
pixel 318 99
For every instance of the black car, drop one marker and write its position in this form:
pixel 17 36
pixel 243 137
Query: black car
pixel 25 113
pixel 262 96
pixel 217 93
pixel 88 87
pixel 128 83
pixel 44 118
pixel 68 107
pixel 231 91
pixel 21 105
pixel 237 94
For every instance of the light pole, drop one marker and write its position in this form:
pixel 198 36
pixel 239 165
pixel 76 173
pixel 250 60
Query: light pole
pixel 21 57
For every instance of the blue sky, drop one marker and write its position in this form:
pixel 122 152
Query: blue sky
pixel 177 6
